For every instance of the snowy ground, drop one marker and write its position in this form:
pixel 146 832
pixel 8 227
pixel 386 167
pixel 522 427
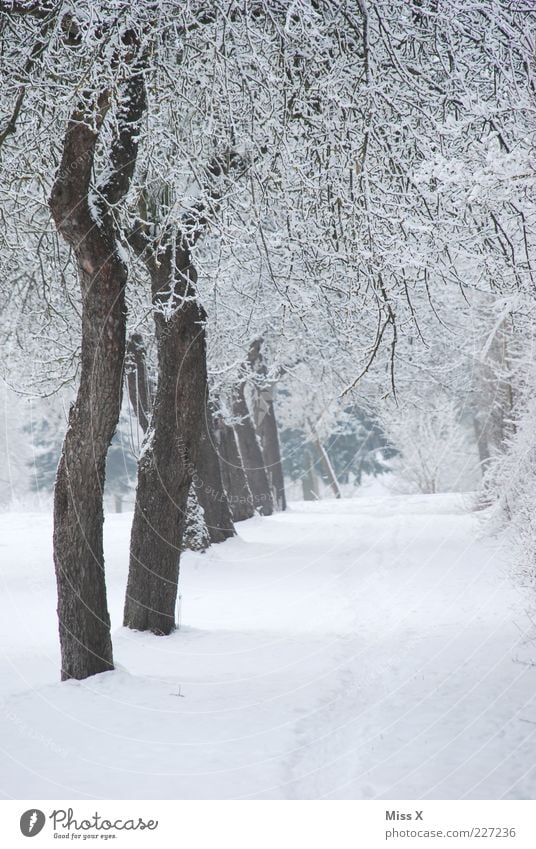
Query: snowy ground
pixel 357 649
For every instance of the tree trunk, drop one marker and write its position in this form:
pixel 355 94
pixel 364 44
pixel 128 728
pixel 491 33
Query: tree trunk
pixel 195 535
pixel 251 453
pixel 209 485
pixel 493 399
pixel 84 623
pixel 233 475
pixel 266 425
pixel 138 380
pixel 170 451
pixel 268 434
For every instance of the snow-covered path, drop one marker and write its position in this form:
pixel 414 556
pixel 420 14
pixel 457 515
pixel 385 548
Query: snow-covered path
pixel 366 648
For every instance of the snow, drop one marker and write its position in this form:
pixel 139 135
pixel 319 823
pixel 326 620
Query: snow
pixel 362 648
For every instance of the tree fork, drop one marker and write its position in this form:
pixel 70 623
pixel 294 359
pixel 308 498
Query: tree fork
pixel 84 622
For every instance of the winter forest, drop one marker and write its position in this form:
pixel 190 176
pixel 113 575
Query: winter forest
pixel 268 399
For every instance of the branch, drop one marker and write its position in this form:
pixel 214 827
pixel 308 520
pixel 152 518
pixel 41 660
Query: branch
pixel 37 49
pixel 124 148
pixel 69 201
pixel 197 219
pixel 69 197
pixel 37 8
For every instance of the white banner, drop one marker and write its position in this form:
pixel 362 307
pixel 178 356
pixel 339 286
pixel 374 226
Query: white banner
pixel 271 824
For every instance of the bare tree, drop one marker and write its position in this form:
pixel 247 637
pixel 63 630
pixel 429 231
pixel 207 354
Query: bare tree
pixel 207 480
pixel 266 423
pixel 233 474
pixel 137 380
pixel 251 453
pixel 84 623
pixel 170 451
pixel 209 485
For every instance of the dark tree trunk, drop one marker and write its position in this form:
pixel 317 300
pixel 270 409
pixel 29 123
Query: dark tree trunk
pixel 210 491
pixel 138 380
pixel 170 452
pixel 266 424
pixel 233 475
pixel 84 623
pixel 209 485
pixel 309 479
pixel 267 430
pixel 251 454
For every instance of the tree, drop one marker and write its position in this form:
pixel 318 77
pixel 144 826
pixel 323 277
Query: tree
pixel 84 621
pixel 178 448
pixel 233 474
pixel 209 486
pixel 170 450
pixel 266 423
pixel 250 452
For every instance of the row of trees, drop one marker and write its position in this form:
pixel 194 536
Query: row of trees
pixel 349 183
pixel 122 222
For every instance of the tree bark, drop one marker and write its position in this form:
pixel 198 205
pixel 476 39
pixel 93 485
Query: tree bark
pixel 209 485
pixel 266 425
pixel 269 437
pixel 326 463
pixel 170 452
pixel 84 623
pixel 233 475
pixel 138 380
pixel 210 491
pixel 493 398
pixel 195 534
pixel 251 453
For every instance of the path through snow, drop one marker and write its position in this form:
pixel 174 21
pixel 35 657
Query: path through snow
pixel 356 649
